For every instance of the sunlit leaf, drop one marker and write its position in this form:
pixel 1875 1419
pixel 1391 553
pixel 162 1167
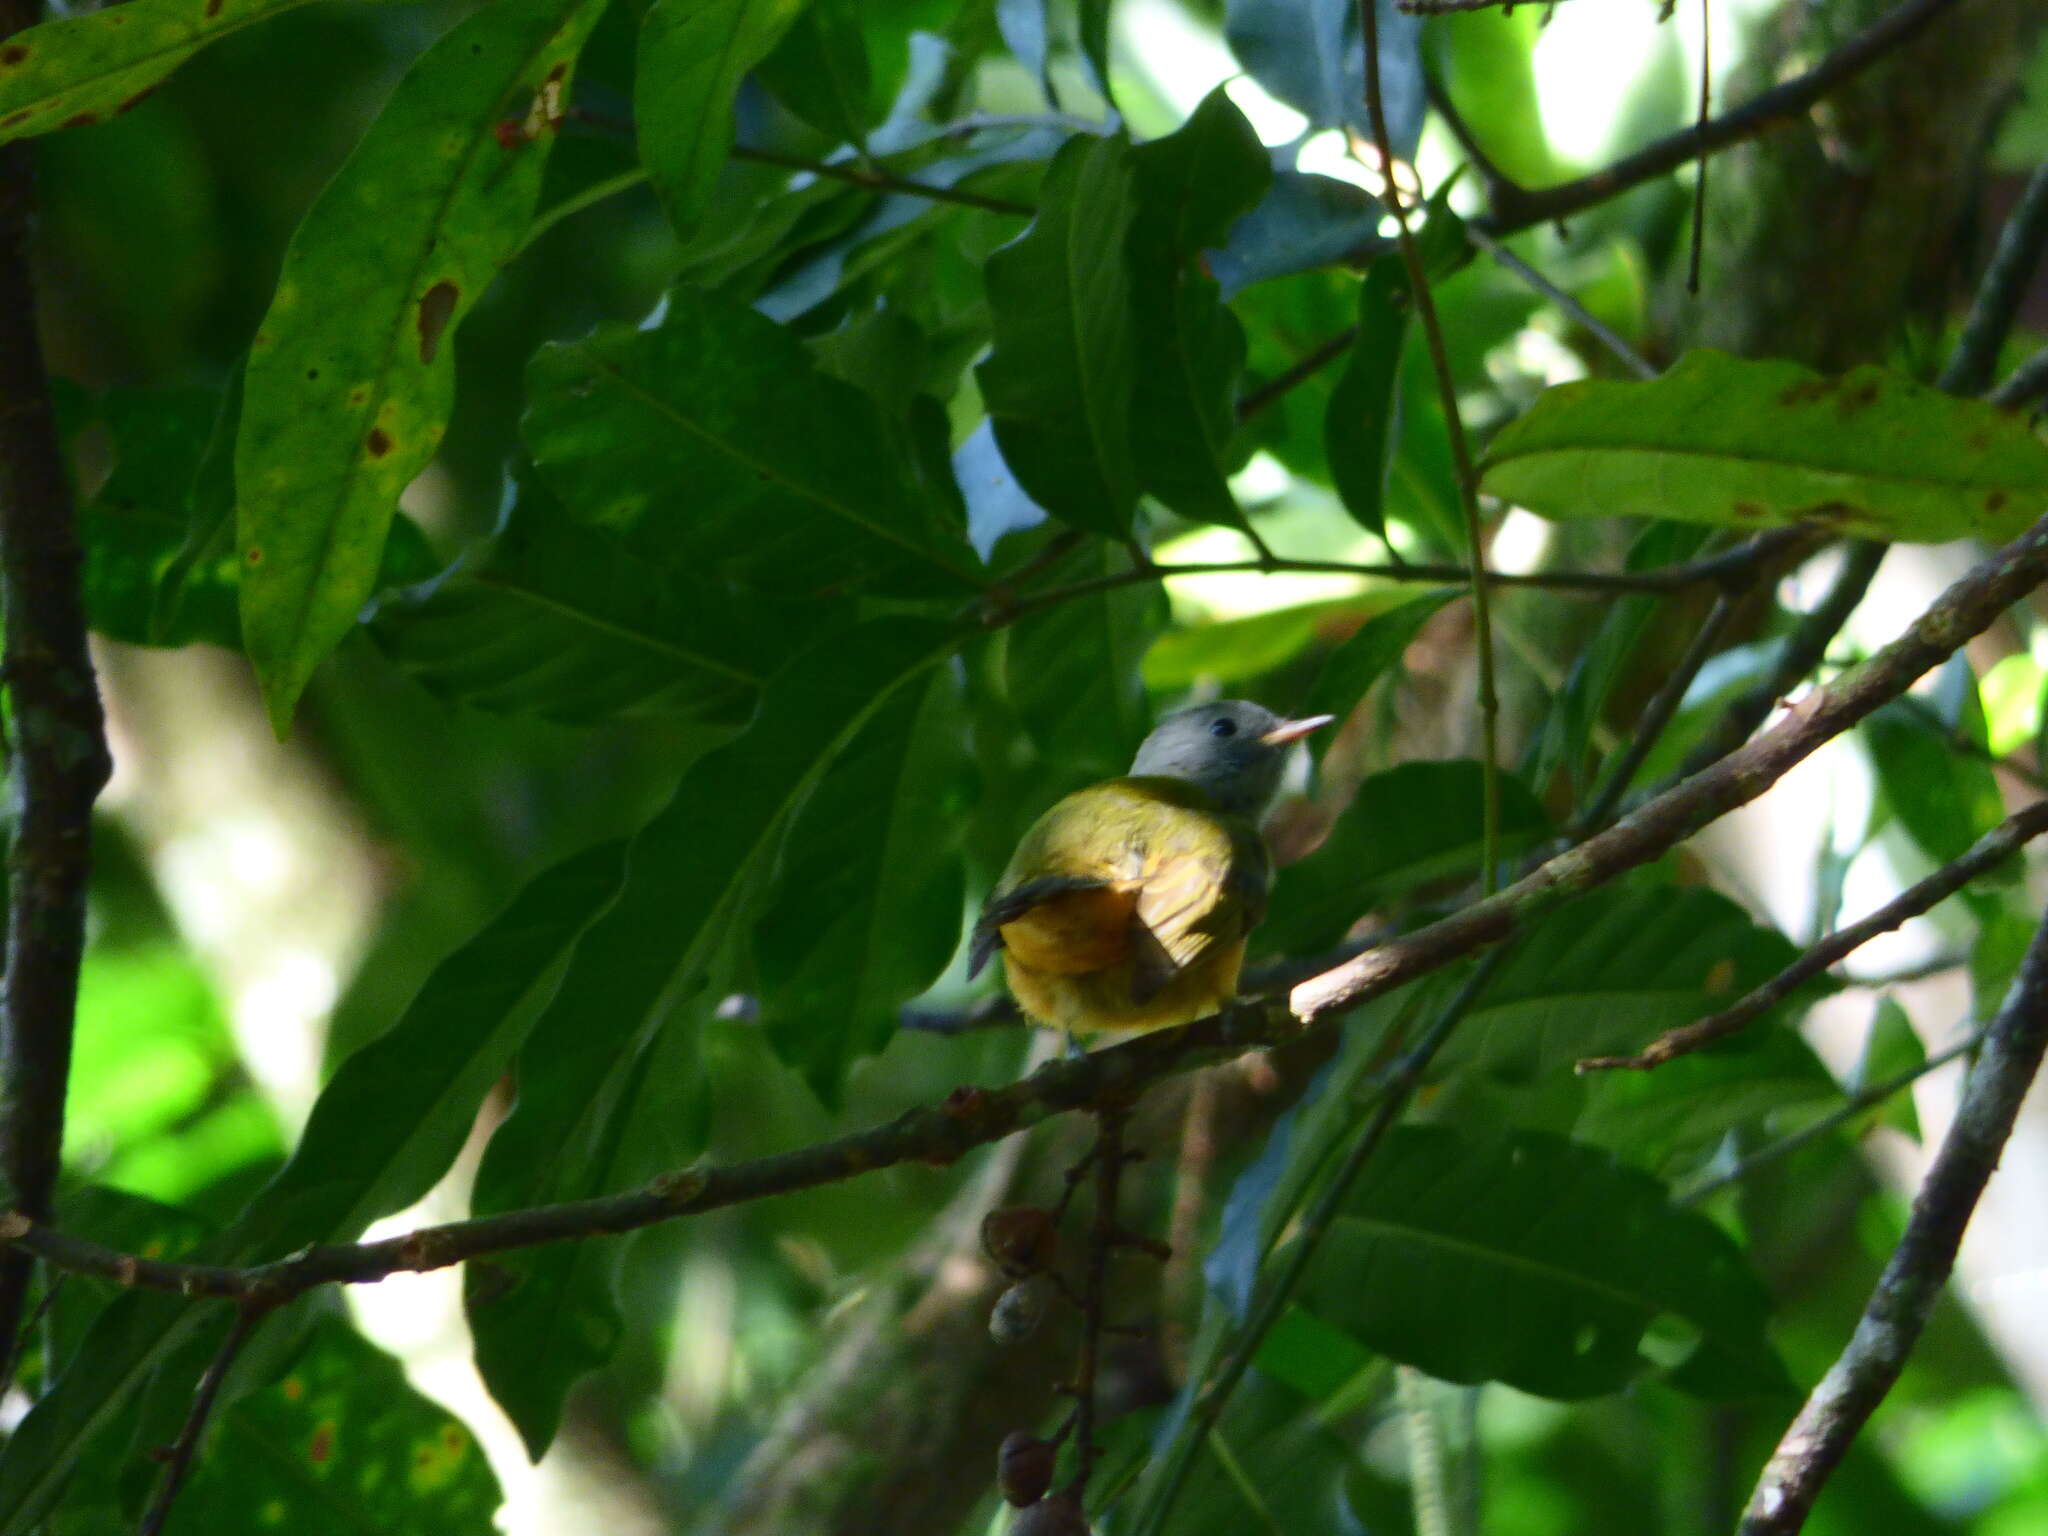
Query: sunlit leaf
pixel 1748 444
pixel 351 376
pixel 1230 650
pixel 1526 1259
pixel 1891 1049
pixel 86 68
pixel 1059 381
pixel 340 1444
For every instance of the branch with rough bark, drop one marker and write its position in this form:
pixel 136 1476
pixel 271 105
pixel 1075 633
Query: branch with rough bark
pixel 1820 1436
pixel 60 744
pixel 973 1117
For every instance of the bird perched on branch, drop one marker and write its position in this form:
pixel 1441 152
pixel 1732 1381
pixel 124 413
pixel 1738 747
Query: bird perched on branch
pixel 1126 906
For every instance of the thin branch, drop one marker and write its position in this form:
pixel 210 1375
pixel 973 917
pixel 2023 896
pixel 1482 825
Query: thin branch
pixel 2004 286
pixel 2026 383
pixel 1257 399
pixel 882 181
pixel 1841 1115
pixel 60 759
pixel 974 1117
pixel 1461 450
pixel 1657 717
pixel 178 1466
pixel 1836 1411
pixel 1516 208
pixel 1987 853
pixel 1272 1300
pixel 1103 1241
pixel 1579 315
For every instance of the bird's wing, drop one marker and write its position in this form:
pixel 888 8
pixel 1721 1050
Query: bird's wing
pixel 1203 886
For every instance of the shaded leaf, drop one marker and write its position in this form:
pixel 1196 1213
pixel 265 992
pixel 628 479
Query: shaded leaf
pixel 575 623
pixel 867 904
pixel 1527 1259
pixel 819 70
pixel 1073 676
pixel 1353 667
pixel 1190 187
pixel 1059 381
pixel 1891 1049
pixel 1748 444
pixel 1611 970
pixel 1359 430
pixel 693 875
pixel 1944 799
pixel 1410 826
pixel 693 54
pixel 89 68
pixel 340 1444
pixel 717 435
pixel 351 376
pixel 1304 221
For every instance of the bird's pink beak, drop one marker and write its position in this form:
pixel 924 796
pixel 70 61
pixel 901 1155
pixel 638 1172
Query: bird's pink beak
pixel 1294 730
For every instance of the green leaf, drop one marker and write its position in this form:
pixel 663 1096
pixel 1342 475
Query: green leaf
pixel 341 1444
pixel 1530 1260
pixel 819 70
pixel 1891 1049
pixel 1073 676
pixel 1060 380
pixel 867 905
pixel 1944 799
pixel 1350 670
pixel 1190 187
pixel 1749 444
pixel 694 873
pixel 85 69
pixel 1231 650
pixel 384 1130
pixel 573 622
pixel 1612 970
pixel 352 373
pixel 692 57
pixel 1359 435
pixel 718 435
pixel 1408 827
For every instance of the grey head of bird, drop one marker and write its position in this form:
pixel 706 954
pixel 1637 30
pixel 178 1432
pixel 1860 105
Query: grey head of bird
pixel 1233 749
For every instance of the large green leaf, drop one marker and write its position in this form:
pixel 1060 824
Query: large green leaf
pixel 694 873
pixel 1231 650
pixel 1359 429
pixel 87 68
pixel 1410 826
pixel 1190 187
pixel 692 57
pixel 867 904
pixel 1944 798
pixel 340 1444
pixel 717 434
pixel 1530 1260
pixel 1740 443
pixel 351 376
pixel 819 70
pixel 1073 676
pixel 383 1131
pixel 1609 972
pixel 1060 380
pixel 574 622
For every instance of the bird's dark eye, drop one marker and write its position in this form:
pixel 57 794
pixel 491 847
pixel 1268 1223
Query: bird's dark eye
pixel 1224 727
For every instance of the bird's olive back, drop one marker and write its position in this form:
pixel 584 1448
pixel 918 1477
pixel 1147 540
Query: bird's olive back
pixel 1218 747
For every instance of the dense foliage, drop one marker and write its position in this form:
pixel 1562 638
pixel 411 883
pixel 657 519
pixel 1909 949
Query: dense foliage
pixel 696 476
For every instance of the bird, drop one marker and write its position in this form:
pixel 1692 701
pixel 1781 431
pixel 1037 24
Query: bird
pixel 1126 906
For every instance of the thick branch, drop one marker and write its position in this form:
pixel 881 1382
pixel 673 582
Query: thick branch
pixel 1919 1267
pixel 973 1117
pixel 1989 851
pixel 60 745
pixel 1515 207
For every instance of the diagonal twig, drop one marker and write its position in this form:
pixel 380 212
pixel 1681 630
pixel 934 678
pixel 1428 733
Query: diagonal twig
pixel 1836 1411
pixel 205 1397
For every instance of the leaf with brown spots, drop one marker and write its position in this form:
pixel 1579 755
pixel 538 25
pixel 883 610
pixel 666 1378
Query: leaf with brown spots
pixel 350 383
pixel 1741 443
pixel 84 69
pixel 343 1432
